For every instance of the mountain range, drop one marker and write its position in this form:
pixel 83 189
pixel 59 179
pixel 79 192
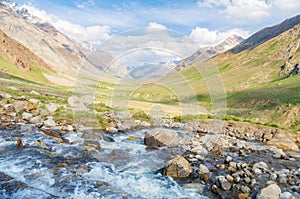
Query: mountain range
pixel 60 53
pixel 260 74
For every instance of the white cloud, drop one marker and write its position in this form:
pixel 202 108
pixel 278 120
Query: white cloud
pixel 74 31
pixel 213 3
pixel 241 11
pixel 206 37
pixel 251 11
pixel 156 26
pixel 246 10
pixel 287 6
pixel 85 4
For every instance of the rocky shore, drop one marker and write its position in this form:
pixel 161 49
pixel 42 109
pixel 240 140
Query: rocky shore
pixel 239 160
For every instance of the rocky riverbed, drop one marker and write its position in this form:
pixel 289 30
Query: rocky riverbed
pixel 43 156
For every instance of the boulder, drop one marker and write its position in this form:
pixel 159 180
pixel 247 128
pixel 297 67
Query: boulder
pixel 286 195
pixel 37 121
pixel 203 169
pixel 20 106
pixel 26 116
pixel 34 101
pixel 272 191
pixel 111 130
pixel 51 107
pixel 261 166
pixel 159 137
pixel 49 122
pixel 178 168
pixel 223 183
pixel 76 104
pixel 283 140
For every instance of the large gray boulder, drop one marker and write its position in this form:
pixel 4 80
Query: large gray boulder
pixel 159 137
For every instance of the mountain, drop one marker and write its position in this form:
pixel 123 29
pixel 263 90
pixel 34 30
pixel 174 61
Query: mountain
pixel 60 53
pixel 210 51
pixel 261 83
pixel 19 61
pixel 266 34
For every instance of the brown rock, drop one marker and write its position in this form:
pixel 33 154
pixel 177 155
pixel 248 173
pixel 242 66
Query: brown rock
pixel 283 140
pixel 20 143
pixel 161 137
pixel 179 168
pixel 243 196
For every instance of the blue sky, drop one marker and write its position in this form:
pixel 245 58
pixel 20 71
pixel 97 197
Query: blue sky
pixel 207 22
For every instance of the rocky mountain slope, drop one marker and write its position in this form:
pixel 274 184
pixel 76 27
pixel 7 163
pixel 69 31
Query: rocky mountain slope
pixel 210 51
pixel 262 82
pixel 19 61
pixel 266 34
pixel 58 51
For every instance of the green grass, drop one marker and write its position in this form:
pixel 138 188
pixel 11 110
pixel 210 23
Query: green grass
pixel 185 118
pixel 141 115
pixel 35 74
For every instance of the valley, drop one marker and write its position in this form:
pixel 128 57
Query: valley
pixel 132 118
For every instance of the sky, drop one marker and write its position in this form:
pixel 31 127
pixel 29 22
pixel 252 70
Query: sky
pixel 207 22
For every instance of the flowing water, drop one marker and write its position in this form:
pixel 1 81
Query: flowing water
pixel 120 169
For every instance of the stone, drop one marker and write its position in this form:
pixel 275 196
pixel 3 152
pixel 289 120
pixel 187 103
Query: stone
pixel 237 179
pixel 37 121
pixel 243 196
pixel 203 169
pixel 257 171
pixel 9 108
pixel 92 144
pixel 232 167
pixel 52 108
pixel 70 128
pixel 159 137
pixel 272 191
pixel 111 130
pixel 229 178
pixel 34 101
pixel 247 180
pixel 245 189
pixel 228 159
pixel 260 165
pixel 283 140
pixel 278 153
pixel 199 150
pixel 34 92
pixel 26 116
pixel 20 143
pixel 49 122
pixel 199 157
pixel 273 176
pixel 20 106
pixel 145 124
pixel 179 167
pixel 282 179
pixel 40 144
pixel 286 195
pixel 223 183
